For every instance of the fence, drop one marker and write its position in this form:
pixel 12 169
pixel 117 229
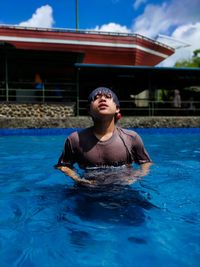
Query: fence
pixel 66 92
pixel 25 92
pixel 153 108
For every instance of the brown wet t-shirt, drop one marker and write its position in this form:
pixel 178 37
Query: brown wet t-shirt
pixel 124 147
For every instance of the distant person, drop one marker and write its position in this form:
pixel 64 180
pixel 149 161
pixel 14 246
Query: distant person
pixel 177 99
pixel 38 81
pixel 104 145
pixel 39 85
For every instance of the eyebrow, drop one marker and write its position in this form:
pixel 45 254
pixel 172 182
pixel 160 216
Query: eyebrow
pixel 103 93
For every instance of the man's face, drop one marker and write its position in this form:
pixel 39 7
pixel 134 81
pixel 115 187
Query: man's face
pixel 103 106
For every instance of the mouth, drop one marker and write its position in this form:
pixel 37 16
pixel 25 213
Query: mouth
pixel 102 106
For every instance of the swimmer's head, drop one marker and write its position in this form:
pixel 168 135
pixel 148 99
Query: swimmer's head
pixel 103 91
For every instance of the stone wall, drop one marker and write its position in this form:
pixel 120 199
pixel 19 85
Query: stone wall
pixel 82 122
pixel 61 116
pixel 37 110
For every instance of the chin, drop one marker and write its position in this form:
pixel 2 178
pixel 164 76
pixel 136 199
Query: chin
pixel 104 116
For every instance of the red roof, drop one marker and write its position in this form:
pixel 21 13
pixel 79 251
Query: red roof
pixel 96 47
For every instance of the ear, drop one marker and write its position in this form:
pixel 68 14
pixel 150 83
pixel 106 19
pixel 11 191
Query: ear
pixel 118 117
pixel 117 110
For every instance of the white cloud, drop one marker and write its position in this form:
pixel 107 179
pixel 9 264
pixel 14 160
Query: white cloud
pixel 138 3
pixel 188 33
pixel 43 17
pixel 162 18
pixel 112 27
pixel 178 19
pixel 151 22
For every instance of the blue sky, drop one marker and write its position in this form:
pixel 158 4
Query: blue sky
pixel 174 22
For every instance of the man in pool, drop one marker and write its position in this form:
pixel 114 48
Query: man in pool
pixel 104 144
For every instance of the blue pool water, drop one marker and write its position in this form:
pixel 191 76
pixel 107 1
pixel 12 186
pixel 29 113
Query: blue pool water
pixel 46 221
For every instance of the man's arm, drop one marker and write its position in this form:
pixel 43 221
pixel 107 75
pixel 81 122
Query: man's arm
pixel 145 168
pixel 142 157
pixel 72 174
pixel 65 164
pixel 137 174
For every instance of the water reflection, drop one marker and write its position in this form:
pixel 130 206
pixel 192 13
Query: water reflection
pixel 119 204
pixel 110 200
pixel 122 175
pixel 103 207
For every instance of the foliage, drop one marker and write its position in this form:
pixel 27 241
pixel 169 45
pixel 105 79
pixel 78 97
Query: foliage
pixel 194 62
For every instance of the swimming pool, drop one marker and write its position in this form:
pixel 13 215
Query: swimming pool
pixel 46 221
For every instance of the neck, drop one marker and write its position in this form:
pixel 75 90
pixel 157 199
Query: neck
pixel 103 130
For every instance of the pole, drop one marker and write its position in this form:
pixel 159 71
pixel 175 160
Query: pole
pixel 77 91
pixel 6 76
pixel 77 26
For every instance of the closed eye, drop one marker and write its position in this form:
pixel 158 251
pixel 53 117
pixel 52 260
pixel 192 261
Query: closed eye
pixel 107 96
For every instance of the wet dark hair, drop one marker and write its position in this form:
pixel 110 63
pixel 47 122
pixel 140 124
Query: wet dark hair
pixel 103 90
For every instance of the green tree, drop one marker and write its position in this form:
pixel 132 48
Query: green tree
pixel 194 62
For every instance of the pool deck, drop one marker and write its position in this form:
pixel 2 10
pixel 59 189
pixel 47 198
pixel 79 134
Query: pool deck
pixel 85 121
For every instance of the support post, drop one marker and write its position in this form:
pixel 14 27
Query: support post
pixel 77 92
pixel 6 77
pixel 77 22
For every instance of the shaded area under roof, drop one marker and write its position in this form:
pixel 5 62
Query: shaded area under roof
pixel 128 80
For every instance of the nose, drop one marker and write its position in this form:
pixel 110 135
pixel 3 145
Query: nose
pixel 102 97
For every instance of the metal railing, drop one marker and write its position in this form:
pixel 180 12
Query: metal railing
pixel 153 108
pixel 27 93
pixel 94 32
pixel 67 93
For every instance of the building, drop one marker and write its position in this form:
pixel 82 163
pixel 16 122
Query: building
pixel 63 66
